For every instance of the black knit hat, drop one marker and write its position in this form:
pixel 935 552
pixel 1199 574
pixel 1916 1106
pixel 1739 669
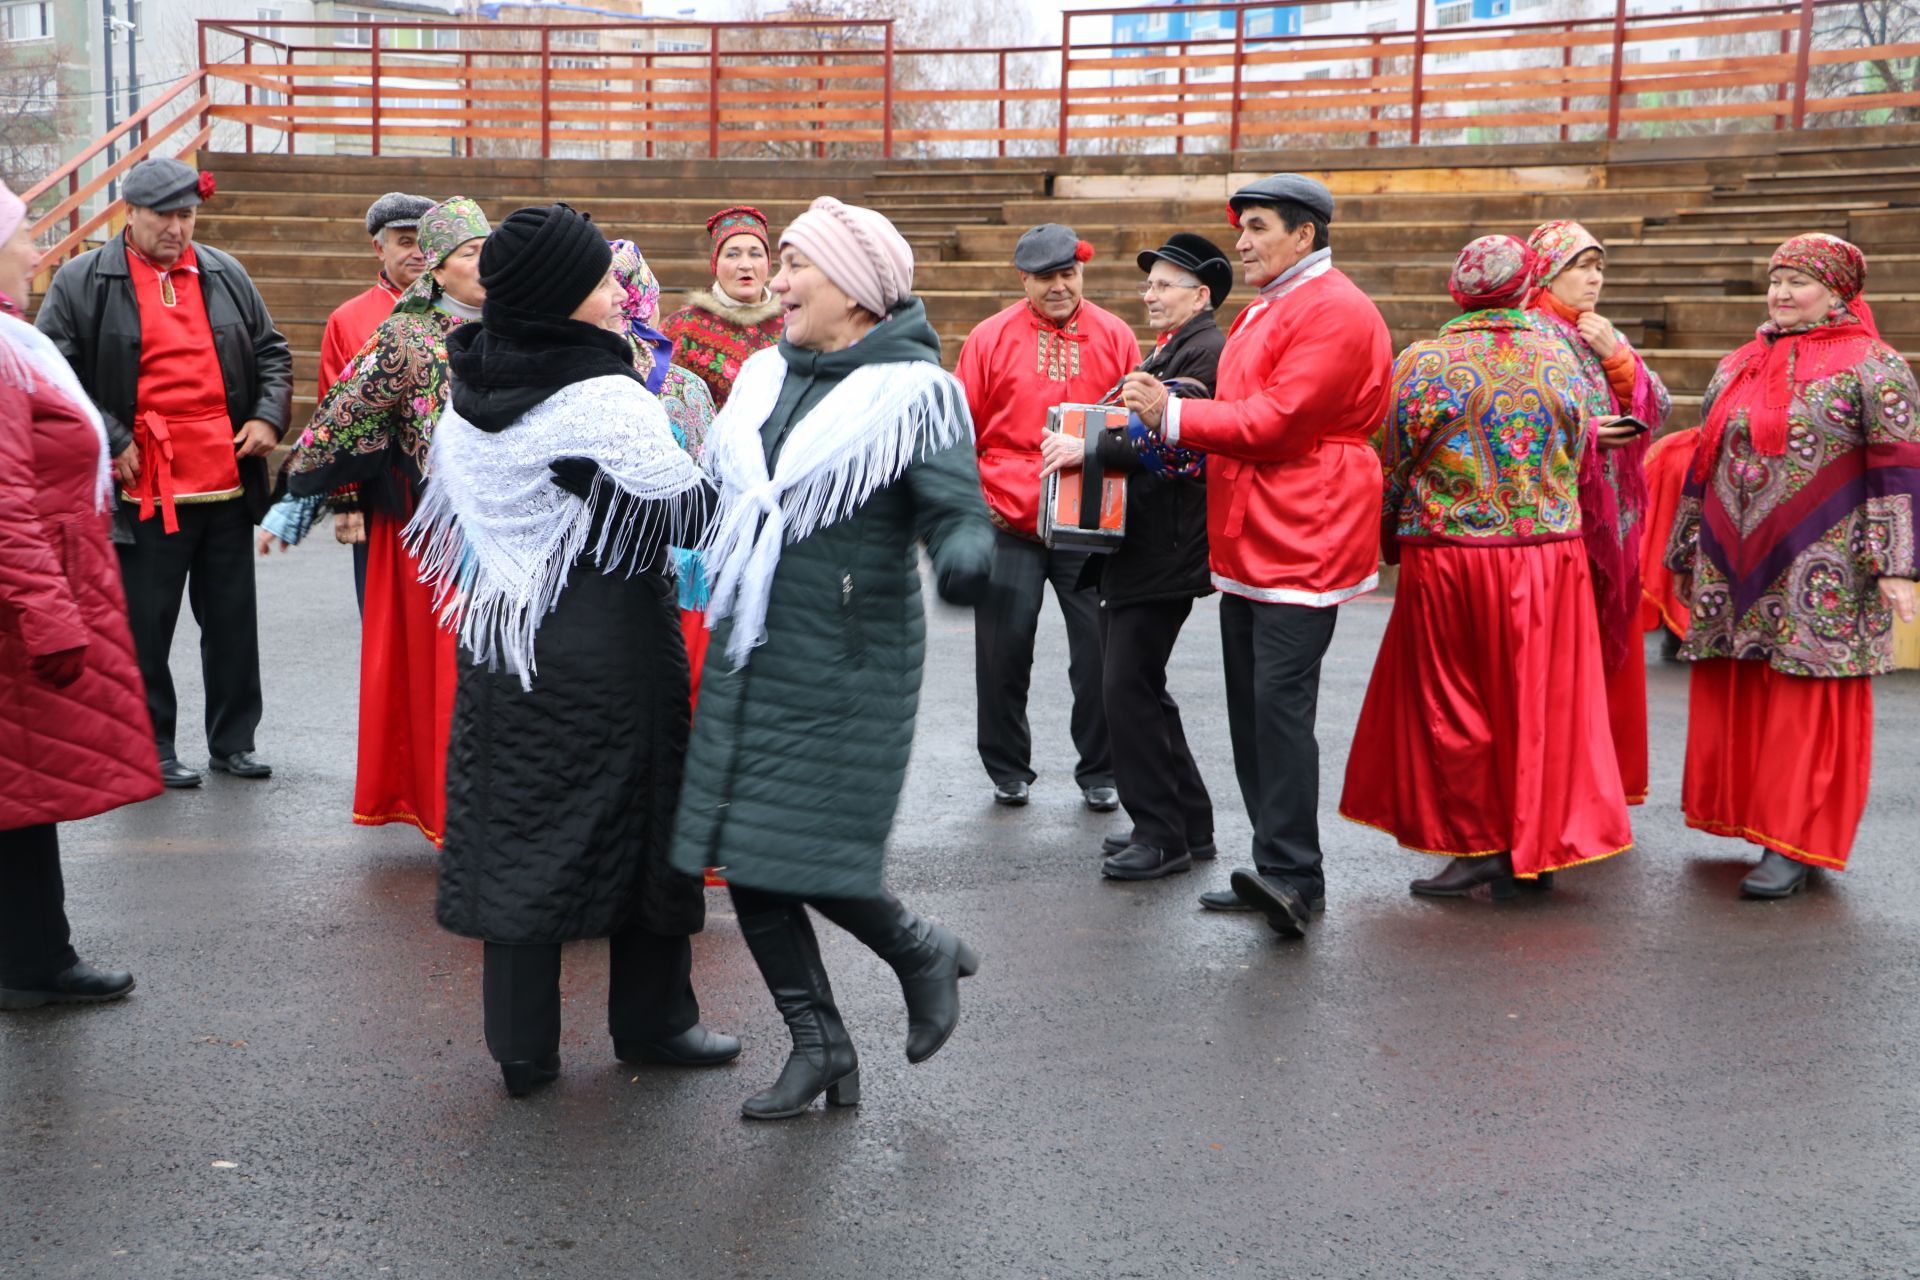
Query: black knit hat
pixel 544 260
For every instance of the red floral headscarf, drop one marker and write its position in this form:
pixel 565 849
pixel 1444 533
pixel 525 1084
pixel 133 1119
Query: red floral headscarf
pixel 1493 271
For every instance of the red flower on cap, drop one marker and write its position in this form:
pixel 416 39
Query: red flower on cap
pixel 206 185
pixel 1082 251
pixel 1233 217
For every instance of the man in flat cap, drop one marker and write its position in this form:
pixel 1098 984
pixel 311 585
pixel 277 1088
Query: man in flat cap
pixel 1052 347
pixel 1293 516
pixel 175 346
pixel 393 224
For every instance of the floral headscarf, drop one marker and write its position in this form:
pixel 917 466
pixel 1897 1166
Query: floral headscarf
pixel 443 228
pixel 653 350
pixel 1832 261
pixel 1558 243
pixel 1493 271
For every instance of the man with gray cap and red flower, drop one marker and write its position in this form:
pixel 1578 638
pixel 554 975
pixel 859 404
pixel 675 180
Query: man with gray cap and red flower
pixel 174 345
pixel 1293 515
pixel 1052 347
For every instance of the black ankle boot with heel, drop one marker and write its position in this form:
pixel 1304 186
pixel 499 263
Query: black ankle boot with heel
pixel 928 959
pixel 823 1060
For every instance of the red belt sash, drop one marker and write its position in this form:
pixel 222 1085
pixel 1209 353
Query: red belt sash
pixel 182 458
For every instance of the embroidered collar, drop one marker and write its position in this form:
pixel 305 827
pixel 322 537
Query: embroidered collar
pixel 187 263
pixel 386 285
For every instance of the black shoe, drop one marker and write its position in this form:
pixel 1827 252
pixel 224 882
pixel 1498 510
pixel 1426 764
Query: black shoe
pixel 1286 911
pixel 1102 799
pixel 1777 876
pixel 176 775
pixel 928 959
pixel 1144 862
pixel 1228 900
pixel 1010 793
pixel 1206 851
pixel 1464 875
pixel 694 1047
pixel 242 764
pixel 823 1058
pixel 80 984
pixel 522 1078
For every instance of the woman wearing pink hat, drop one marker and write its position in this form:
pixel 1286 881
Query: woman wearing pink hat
pixel 839 452
pixel 73 718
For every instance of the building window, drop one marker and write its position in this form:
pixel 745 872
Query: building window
pixel 1453 15
pixel 1376 28
pixel 1319 73
pixel 267 18
pixel 349 35
pixel 32 20
pixel 1316 13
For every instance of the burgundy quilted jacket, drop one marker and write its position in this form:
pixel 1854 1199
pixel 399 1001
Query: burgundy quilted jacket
pixel 73 752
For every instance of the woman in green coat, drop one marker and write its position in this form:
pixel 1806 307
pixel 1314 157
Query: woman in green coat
pixel 839 451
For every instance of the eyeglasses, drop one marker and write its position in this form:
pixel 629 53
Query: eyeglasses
pixel 1152 287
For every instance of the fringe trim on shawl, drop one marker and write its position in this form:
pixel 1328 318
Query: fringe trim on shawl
pixel 861 437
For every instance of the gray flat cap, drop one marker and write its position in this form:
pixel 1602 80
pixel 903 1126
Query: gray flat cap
pixel 396 209
pixel 161 185
pixel 1047 247
pixel 1306 192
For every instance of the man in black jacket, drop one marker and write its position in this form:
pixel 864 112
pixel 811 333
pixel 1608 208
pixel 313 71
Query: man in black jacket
pixel 175 346
pixel 1148 586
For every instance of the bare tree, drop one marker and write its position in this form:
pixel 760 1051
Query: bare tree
pixel 1870 24
pixel 31 137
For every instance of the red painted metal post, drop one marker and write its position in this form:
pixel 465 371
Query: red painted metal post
pixel 1618 79
pixel 819 104
pixel 1180 104
pixel 1003 102
pixel 246 95
pixel 1780 117
pixel 1066 63
pixel 713 93
pixel 374 126
pixel 1417 98
pixel 546 93
pixel 1566 63
pixel 886 103
pixel 73 189
pixel 1800 65
pixel 646 100
pixel 200 29
pixel 1239 78
pixel 1373 99
pixel 466 82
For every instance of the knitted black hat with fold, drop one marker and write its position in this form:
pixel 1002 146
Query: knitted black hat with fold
pixel 544 260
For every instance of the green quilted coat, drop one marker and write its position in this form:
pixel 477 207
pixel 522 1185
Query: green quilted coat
pixel 797 759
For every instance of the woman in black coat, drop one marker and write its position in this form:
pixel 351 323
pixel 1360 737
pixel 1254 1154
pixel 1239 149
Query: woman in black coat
pixel 1148 586
pixel 554 486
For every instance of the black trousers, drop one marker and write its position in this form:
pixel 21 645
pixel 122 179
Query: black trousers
pixel 360 577
pixel 1160 784
pixel 35 943
pixel 1003 630
pixel 1272 656
pixel 210 560
pixel 649 992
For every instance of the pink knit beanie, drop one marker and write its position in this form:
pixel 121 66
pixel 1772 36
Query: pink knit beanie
pixel 12 213
pixel 858 250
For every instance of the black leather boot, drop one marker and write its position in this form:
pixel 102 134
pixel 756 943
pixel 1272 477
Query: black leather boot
pixel 1463 875
pixel 1777 876
pixel 80 983
pixel 928 958
pixel 823 1059
pixel 522 1078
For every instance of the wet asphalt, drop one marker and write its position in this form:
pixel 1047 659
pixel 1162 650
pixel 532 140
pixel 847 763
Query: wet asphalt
pixel 1637 1076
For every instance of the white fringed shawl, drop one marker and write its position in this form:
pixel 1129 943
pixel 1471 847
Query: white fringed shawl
pixel 498 538
pixel 860 437
pixel 26 354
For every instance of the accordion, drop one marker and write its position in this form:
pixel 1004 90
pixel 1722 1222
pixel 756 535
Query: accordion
pixel 1085 509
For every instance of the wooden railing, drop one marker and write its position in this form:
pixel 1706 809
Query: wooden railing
pixel 819 88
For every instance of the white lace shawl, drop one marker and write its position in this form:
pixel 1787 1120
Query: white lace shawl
pixel 498 538
pixel 860 437
pixel 27 354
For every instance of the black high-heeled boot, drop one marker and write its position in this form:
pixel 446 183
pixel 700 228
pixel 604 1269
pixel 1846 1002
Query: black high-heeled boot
pixel 927 957
pixel 1777 876
pixel 823 1058
pixel 1463 875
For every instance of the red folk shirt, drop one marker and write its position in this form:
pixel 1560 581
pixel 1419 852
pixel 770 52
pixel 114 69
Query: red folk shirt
pixel 1017 365
pixel 180 402
pixel 349 327
pixel 1293 486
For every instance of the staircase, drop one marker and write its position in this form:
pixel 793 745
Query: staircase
pixel 1688 223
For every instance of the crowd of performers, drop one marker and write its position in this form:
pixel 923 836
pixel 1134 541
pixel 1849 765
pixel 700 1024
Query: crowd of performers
pixel 560 498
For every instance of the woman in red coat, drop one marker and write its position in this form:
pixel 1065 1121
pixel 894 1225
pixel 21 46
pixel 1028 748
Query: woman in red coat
pixel 73 716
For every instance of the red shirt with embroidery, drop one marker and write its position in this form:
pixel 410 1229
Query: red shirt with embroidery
pixel 1015 366
pixel 349 327
pixel 182 386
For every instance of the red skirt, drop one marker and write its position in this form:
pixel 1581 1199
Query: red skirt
pixel 1780 760
pixel 693 626
pixel 408 666
pixel 1667 464
pixel 1627 718
pixel 1485 724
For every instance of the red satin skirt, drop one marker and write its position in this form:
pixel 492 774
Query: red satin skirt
pixel 1627 718
pixel 408 666
pixel 1782 761
pixel 1485 723
pixel 1667 464
pixel 693 626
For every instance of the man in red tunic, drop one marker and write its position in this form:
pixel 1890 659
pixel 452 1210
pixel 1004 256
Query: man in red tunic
pixel 175 347
pixel 1052 347
pixel 1293 516
pixel 393 223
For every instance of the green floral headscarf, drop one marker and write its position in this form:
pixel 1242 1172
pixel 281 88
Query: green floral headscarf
pixel 443 228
